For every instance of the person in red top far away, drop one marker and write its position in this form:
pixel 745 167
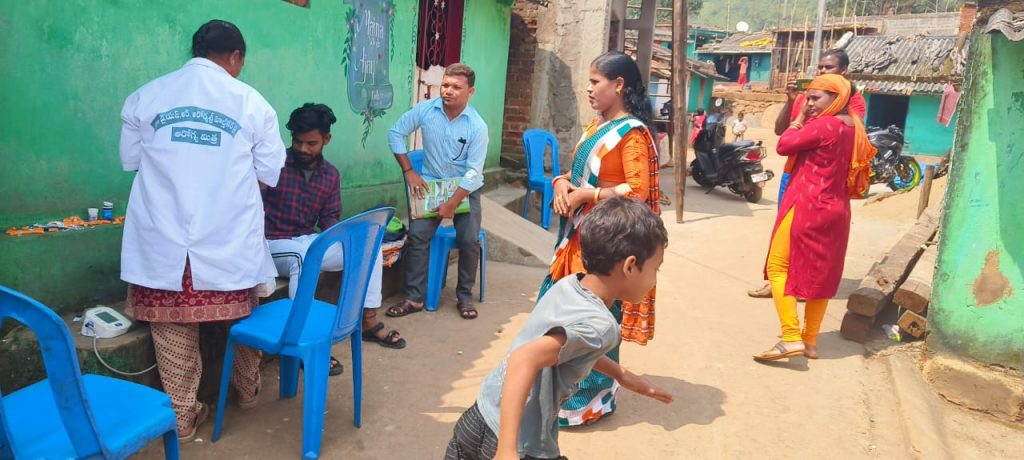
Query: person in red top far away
pixel 834 61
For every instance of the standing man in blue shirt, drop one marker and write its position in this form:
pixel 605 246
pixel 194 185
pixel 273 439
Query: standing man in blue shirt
pixel 455 146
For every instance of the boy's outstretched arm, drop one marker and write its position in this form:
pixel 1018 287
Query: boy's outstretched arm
pixel 631 381
pixel 523 365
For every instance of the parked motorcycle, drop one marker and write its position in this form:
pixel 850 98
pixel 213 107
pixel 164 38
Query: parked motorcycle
pixel 889 166
pixel 736 166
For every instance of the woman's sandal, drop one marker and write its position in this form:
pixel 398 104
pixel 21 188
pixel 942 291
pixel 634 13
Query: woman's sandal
pixel 204 411
pixel 389 340
pixel 406 307
pixel 783 353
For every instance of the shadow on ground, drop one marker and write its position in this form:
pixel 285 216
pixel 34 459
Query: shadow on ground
pixel 694 404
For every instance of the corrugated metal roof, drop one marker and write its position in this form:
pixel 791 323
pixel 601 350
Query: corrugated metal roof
pixel 904 88
pixel 757 42
pixel 920 56
pixel 661 62
pixel 1010 24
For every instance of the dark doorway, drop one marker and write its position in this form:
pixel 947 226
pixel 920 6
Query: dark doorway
pixel 885 110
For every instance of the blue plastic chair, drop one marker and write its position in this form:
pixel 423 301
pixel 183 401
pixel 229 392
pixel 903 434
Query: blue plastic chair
pixel 70 415
pixel 442 243
pixel 304 329
pixel 535 142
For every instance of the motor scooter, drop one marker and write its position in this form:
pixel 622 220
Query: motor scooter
pixel 736 166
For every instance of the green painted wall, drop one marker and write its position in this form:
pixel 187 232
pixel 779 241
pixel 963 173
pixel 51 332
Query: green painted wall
pixel 924 135
pixel 694 101
pixel 77 60
pixel 978 305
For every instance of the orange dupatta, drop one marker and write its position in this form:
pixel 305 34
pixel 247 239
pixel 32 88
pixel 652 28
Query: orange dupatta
pixel 860 161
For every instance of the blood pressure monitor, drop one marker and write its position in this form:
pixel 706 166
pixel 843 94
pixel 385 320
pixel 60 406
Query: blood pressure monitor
pixel 104 322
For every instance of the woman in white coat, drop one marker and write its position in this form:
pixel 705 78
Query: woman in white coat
pixel 201 142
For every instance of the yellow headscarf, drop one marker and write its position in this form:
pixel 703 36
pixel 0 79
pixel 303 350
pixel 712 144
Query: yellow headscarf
pixel 860 162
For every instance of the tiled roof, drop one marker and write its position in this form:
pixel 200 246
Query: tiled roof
pixel 757 42
pixel 1010 24
pixel 921 56
pixel 661 62
pixel 904 88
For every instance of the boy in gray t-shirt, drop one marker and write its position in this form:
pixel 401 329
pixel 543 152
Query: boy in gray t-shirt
pixel 570 330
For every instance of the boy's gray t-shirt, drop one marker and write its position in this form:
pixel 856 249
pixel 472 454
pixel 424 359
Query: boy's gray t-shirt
pixel 590 332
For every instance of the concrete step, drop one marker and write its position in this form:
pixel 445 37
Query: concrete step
pixel 510 238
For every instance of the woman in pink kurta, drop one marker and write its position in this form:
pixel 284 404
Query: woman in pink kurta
pixel 809 241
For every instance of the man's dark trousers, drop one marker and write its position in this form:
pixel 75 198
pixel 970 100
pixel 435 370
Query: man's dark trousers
pixel 417 252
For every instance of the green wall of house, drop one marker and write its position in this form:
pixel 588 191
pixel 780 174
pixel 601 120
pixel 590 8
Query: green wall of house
pixel 978 304
pixel 924 135
pixel 78 60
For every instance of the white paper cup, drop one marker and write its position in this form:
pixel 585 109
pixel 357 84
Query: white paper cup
pixel 94 214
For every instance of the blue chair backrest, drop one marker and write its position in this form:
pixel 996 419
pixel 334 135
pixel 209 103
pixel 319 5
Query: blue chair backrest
pixel 65 377
pixel 535 142
pixel 416 158
pixel 360 237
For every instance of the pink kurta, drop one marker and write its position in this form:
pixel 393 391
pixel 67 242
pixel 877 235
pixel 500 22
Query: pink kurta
pixel 819 198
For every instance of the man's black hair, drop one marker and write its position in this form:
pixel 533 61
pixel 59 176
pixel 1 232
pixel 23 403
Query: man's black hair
pixel 616 229
pixel 840 55
pixel 217 37
pixel 309 117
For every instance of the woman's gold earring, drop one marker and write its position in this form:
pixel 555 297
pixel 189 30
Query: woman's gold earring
pixel 618 90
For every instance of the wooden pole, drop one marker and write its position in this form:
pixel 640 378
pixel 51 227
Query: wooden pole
pixel 679 81
pixel 926 189
pixel 803 44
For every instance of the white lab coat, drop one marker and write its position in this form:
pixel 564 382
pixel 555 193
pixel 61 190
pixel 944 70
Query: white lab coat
pixel 199 139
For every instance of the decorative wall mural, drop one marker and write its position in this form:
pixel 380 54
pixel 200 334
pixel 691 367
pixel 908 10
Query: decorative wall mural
pixel 366 57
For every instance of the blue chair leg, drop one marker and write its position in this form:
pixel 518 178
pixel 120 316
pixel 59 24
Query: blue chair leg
pixel 434 275
pixel 357 379
pixel 225 377
pixel 526 205
pixel 545 208
pixel 171 445
pixel 314 398
pixel 483 263
pixel 288 369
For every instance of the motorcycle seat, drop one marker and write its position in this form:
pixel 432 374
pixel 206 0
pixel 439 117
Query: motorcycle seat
pixel 730 147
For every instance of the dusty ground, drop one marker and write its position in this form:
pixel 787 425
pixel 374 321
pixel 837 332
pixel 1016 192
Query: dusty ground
pixel 727 406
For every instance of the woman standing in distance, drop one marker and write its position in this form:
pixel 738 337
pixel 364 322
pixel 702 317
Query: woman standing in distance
pixel 615 157
pixel 202 143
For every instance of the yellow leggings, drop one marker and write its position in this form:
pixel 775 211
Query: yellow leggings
pixel 785 306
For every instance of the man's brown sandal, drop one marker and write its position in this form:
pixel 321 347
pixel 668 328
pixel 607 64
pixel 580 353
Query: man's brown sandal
pixel 467 310
pixel 405 307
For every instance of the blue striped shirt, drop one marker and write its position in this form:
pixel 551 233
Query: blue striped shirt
pixel 452 148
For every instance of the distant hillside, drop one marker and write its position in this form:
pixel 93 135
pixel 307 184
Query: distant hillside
pixel 762 14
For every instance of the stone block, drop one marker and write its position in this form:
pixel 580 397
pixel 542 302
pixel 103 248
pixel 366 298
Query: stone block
pixel 856 327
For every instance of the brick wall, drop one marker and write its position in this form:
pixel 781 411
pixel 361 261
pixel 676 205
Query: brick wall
pixel 967 14
pixel 518 89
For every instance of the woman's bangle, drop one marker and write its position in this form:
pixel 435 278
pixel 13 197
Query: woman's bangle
pixel 406 170
pixel 796 125
pixel 557 178
pixel 597 194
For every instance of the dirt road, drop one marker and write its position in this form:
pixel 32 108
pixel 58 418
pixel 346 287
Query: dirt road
pixel 727 406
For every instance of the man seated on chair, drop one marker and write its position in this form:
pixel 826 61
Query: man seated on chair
pixel 455 146
pixel 309 195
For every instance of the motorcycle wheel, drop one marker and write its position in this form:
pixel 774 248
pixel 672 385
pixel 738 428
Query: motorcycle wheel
pixel 754 194
pixel 908 175
pixel 698 175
